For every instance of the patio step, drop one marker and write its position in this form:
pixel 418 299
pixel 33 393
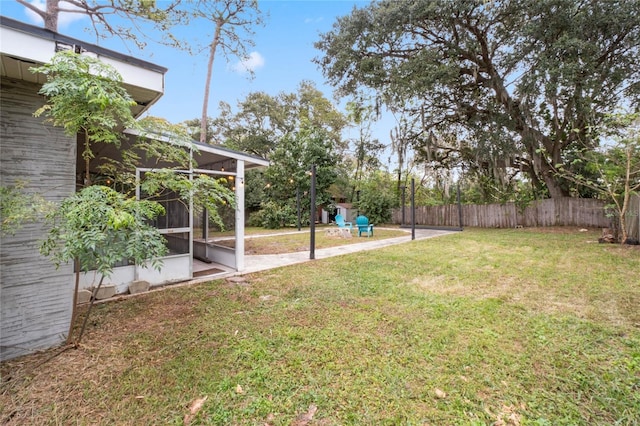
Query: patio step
pixel 205 272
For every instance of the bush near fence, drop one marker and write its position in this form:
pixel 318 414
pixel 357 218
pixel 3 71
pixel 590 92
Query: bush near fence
pixel 582 212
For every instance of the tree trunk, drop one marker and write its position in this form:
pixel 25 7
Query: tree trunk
pixel 51 16
pixel 623 221
pixel 532 138
pixel 626 198
pixel 74 307
pixel 207 86
pixel 87 160
pixel 91 303
pixel 549 176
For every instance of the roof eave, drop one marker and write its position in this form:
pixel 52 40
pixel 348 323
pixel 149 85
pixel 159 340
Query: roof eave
pixel 23 46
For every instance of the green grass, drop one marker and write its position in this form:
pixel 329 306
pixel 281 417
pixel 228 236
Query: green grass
pixel 476 328
pixel 299 241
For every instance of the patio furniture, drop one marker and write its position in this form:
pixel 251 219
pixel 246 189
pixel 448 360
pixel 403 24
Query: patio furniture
pixel 342 224
pixel 362 222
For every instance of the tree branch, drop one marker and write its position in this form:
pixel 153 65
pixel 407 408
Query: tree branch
pixel 32 8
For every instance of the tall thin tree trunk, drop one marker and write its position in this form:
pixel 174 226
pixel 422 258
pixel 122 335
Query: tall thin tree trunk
pixel 207 86
pixel 626 198
pixel 87 159
pixel 51 17
pixel 74 308
pixel 93 300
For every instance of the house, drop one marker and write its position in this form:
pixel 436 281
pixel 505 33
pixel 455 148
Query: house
pixel 36 297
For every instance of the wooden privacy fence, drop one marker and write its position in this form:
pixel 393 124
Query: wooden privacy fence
pixel 583 212
pixel 633 218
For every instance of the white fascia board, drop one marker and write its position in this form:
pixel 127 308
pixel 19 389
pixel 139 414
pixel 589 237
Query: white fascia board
pixel 168 138
pixel 25 46
pixel 39 50
pixel 236 155
pixel 136 76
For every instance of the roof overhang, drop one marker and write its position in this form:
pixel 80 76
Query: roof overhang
pixel 218 159
pixel 23 46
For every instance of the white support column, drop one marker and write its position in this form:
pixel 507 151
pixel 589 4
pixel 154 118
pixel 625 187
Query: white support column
pixel 191 212
pixel 240 215
pixel 136 268
pixel 191 227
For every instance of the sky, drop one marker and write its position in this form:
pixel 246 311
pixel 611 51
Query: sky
pixel 281 58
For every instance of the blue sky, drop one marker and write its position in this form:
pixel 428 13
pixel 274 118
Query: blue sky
pixel 282 57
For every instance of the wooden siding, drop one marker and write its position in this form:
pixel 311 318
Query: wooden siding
pixel 35 297
pixel 581 212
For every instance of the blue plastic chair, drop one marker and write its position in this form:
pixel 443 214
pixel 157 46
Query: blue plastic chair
pixel 362 222
pixel 342 224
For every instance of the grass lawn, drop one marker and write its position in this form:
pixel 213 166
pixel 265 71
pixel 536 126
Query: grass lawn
pixel 502 327
pixel 299 241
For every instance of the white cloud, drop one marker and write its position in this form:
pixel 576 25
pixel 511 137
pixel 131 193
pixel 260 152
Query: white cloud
pixel 313 20
pixel 254 62
pixel 64 19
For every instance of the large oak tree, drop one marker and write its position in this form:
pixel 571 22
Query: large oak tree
pixel 538 74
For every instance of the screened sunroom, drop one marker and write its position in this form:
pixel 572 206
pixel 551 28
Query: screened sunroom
pixel 196 248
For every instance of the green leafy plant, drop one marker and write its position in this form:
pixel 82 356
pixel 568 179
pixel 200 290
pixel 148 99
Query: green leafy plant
pixel 376 199
pixel 98 227
pixel 18 207
pixel 291 162
pixel 85 96
pixel 170 147
pixel 613 171
pixel 276 215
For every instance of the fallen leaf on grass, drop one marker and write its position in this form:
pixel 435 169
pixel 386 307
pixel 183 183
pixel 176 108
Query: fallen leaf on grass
pixel 194 408
pixel 270 419
pixel 507 416
pixel 440 394
pixel 304 418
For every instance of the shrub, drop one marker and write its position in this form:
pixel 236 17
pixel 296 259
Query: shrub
pixel 275 216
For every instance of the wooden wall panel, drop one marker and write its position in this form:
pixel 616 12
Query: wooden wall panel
pixel 35 297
